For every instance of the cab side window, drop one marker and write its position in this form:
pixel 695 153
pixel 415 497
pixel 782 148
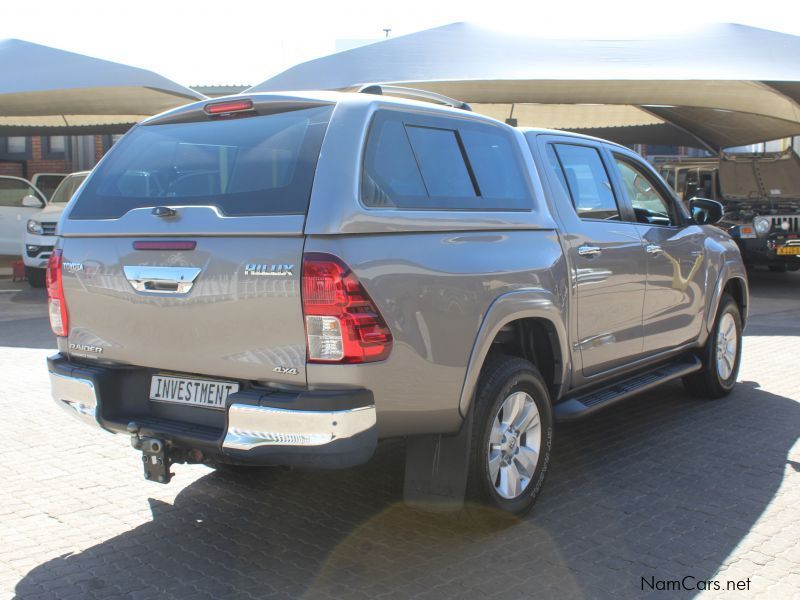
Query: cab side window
pixel 582 173
pixel 650 205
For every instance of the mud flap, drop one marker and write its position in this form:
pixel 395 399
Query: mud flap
pixel 436 470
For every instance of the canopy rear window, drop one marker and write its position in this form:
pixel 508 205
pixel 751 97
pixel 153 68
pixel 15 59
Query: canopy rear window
pixel 254 166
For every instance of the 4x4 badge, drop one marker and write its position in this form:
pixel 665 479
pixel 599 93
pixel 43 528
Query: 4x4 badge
pixel 285 370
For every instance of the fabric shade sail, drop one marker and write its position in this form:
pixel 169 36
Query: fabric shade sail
pixel 717 86
pixel 44 90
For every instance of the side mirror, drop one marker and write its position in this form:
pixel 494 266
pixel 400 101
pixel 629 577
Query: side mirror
pixel 705 211
pixel 32 202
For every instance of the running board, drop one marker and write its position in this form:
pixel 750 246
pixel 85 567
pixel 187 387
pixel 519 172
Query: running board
pixel 579 406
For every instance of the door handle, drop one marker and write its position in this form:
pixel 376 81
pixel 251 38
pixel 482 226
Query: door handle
pixel 161 280
pixel 589 251
pixel 653 249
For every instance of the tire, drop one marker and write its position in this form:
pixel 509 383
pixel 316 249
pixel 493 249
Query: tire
pixel 35 277
pixel 502 379
pixel 716 379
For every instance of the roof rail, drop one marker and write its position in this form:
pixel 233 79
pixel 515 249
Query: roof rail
pixel 380 89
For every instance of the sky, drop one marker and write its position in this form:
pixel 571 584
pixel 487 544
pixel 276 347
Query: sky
pixel 217 42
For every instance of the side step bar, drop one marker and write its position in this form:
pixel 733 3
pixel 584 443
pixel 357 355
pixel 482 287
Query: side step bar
pixel 578 406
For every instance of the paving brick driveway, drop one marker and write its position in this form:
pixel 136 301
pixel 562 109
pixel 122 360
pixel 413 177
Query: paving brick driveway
pixel 660 487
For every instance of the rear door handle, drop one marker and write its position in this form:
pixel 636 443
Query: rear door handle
pixel 161 280
pixel 589 251
pixel 653 249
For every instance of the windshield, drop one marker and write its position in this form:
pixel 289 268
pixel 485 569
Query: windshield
pixel 67 187
pixel 262 165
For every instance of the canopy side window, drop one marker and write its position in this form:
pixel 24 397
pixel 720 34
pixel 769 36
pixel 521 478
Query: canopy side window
pixel 421 162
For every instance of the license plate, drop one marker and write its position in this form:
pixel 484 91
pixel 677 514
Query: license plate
pixel 788 250
pixel 208 393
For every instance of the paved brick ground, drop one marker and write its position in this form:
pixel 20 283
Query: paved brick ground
pixel 662 486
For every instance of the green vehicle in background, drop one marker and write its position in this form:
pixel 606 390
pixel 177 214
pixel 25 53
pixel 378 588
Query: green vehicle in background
pixel 761 196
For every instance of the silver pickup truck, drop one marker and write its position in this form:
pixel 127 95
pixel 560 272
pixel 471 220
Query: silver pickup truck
pixel 288 279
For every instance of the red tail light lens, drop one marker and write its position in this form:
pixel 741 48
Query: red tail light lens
pixel 228 106
pixel 56 304
pixel 342 322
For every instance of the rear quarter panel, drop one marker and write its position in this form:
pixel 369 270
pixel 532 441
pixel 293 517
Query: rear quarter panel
pixel 434 289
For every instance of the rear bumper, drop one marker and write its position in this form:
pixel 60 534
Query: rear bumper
pixel 327 429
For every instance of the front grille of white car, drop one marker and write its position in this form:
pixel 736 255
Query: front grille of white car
pixel 49 228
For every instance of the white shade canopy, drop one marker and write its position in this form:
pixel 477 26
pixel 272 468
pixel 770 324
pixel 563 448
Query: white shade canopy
pixel 45 90
pixel 718 86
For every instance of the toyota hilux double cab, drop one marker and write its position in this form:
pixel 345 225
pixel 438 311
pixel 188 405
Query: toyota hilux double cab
pixel 286 279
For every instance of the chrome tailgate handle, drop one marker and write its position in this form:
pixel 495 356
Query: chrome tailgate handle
pixel 161 280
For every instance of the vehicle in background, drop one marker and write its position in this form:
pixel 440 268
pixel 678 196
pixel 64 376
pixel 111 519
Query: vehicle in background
pixel 40 229
pixel 691 177
pixel 19 199
pixel 761 196
pixel 47 183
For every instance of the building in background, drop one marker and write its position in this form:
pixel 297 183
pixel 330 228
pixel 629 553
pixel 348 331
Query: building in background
pixel 25 156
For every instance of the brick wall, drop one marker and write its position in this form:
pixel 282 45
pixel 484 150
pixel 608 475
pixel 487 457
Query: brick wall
pixel 8 168
pixel 99 148
pixel 37 164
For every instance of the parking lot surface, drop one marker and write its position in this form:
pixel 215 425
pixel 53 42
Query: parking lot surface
pixel 654 497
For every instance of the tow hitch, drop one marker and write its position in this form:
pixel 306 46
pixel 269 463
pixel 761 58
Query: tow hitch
pixel 155 455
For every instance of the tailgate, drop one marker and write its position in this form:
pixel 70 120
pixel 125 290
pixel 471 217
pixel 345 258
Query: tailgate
pixel 234 309
pixel 182 250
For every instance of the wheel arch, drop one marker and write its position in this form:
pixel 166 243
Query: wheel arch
pixel 733 280
pixel 537 312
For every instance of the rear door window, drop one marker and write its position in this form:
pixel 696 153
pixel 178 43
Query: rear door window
pixel 260 165
pixel 431 163
pixel 581 169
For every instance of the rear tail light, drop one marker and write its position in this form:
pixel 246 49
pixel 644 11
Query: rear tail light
pixel 56 304
pixel 342 322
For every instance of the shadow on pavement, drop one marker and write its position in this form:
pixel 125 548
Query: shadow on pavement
pixel 661 486
pixel 23 316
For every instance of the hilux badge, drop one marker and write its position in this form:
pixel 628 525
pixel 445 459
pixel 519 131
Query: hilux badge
pixel 269 270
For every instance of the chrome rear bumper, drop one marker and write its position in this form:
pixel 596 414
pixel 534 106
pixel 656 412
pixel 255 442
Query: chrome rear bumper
pixel 75 395
pixel 254 426
pixel 334 428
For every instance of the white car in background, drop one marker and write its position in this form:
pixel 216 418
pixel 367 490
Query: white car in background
pixel 40 235
pixel 19 200
pixel 47 183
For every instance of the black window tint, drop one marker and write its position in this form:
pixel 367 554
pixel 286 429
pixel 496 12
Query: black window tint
pixel 261 165
pixel 441 161
pixel 422 162
pixel 394 172
pixel 495 165
pixel 552 160
pixel 588 182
